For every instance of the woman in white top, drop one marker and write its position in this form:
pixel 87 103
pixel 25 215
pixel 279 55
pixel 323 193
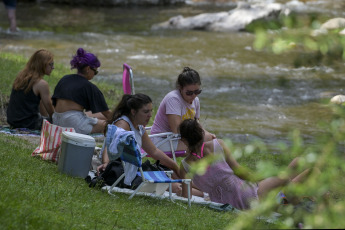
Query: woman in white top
pixel 132 114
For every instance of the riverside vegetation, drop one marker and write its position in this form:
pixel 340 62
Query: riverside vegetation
pixel 34 195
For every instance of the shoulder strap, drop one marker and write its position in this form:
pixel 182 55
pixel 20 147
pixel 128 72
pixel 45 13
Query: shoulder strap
pixel 202 150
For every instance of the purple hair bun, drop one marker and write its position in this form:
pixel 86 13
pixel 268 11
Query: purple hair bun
pixel 83 59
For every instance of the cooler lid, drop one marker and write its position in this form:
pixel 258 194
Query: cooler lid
pixel 79 138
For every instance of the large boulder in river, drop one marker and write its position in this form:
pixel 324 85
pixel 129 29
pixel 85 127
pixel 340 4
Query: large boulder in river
pixel 334 23
pixel 338 99
pixel 331 24
pixel 234 20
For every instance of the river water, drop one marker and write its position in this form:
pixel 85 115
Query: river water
pixel 246 94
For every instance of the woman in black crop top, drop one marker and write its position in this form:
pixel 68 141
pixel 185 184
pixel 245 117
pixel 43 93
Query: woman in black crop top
pixel 79 103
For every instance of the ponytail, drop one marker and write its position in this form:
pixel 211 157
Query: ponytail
pixel 129 102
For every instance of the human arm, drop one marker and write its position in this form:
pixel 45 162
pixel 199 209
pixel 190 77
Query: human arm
pixel 105 161
pixel 41 88
pixel 174 122
pixel 240 171
pixel 157 154
pixel 108 114
pixel 209 136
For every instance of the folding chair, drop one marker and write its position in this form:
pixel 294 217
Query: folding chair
pixel 148 177
pixel 128 88
pixel 127 80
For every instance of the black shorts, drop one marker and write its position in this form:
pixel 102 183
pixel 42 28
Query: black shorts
pixel 10 4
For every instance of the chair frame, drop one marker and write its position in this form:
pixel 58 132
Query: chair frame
pixel 168 181
pixel 127 83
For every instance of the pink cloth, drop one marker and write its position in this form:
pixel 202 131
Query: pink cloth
pixel 173 103
pixel 222 185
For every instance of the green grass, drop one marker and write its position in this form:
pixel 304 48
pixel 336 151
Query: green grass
pixel 34 195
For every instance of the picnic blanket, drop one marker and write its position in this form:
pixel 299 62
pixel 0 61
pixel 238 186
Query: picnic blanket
pixel 19 131
pixel 30 132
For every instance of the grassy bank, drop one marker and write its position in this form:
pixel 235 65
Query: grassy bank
pixel 34 195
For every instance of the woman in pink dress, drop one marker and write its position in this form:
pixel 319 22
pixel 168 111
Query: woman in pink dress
pixel 225 180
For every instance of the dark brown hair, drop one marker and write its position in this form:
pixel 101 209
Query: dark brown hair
pixel 192 132
pixel 129 102
pixel 187 77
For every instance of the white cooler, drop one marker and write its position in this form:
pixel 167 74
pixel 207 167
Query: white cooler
pixel 76 154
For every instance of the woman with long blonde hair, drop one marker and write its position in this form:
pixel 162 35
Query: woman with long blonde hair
pixel 30 100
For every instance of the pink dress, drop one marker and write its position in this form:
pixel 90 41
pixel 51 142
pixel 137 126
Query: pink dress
pixel 222 185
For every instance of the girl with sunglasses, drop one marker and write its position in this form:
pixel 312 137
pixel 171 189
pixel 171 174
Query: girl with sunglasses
pixel 177 106
pixel 79 103
pixel 30 97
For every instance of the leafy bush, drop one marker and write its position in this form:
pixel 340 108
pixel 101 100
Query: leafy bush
pixel 296 34
pixel 327 188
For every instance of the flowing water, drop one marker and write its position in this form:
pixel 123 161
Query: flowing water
pixel 246 94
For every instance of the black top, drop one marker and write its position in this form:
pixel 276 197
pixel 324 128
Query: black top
pixel 23 109
pixel 80 90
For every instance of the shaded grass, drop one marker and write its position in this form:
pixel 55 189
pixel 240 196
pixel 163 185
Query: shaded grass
pixel 34 195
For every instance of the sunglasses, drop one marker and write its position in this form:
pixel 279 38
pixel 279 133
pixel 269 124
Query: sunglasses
pixel 94 71
pixel 196 92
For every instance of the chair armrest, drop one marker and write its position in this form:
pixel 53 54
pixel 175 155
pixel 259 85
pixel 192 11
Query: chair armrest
pixel 167 134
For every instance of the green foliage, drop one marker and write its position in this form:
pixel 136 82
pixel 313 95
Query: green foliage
pixel 324 184
pixel 299 35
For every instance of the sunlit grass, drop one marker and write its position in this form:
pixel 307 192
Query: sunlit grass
pixel 35 195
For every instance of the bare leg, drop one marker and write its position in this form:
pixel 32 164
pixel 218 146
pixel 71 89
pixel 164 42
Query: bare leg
pixel 267 185
pixel 11 13
pixel 99 127
pixel 177 188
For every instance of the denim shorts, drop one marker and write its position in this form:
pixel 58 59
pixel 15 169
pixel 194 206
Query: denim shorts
pixel 75 119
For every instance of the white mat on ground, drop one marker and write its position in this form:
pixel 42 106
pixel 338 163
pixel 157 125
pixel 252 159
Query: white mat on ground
pixel 165 195
pixel 196 200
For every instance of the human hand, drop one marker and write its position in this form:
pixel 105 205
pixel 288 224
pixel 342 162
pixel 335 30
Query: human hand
pixel 101 168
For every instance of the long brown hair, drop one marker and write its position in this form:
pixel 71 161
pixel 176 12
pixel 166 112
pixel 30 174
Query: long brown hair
pixel 34 70
pixel 129 102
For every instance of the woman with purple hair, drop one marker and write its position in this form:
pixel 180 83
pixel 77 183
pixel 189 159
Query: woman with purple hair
pixel 75 95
